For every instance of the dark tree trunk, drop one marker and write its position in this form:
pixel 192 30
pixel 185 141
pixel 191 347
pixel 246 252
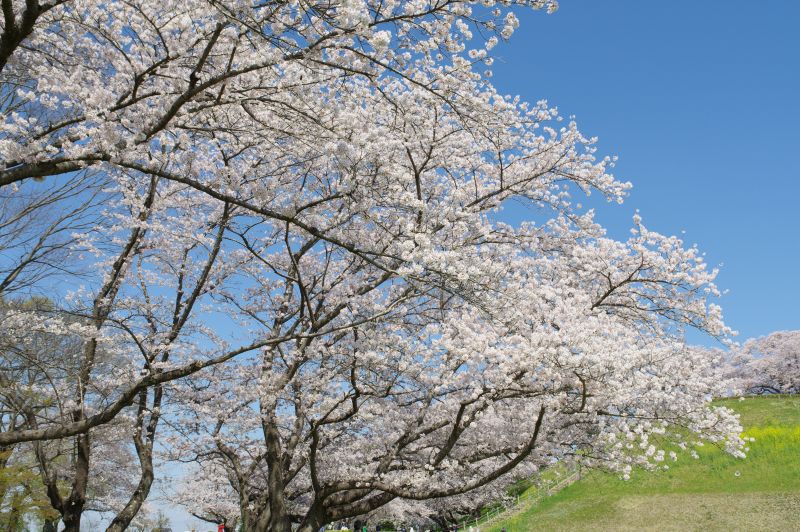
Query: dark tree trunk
pixel 315 518
pixel 16 29
pixel 278 513
pixel 311 526
pixel 72 519
pixel 72 509
pixel 256 519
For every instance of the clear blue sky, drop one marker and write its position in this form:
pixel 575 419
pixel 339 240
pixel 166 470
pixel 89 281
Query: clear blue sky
pixel 701 102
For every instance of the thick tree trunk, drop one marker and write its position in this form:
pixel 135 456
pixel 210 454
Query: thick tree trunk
pixel 72 519
pixel 313 521
pixel 50 525
pixel 255 521
pixel 316 517
pixel 261 523
pixel 253 511
pixel 278 513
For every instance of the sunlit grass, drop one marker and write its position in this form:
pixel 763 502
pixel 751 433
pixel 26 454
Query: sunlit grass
pixel 716 488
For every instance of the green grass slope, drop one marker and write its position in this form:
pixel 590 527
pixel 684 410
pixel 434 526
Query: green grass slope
pixel 715 492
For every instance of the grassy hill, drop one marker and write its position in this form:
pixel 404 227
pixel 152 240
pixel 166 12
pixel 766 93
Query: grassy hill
pixel 716 492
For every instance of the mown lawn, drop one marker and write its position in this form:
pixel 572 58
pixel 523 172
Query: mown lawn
pixel 715 492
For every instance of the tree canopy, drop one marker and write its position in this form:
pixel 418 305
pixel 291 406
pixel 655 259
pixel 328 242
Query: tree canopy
pixel 282 257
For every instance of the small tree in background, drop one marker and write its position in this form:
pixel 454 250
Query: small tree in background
pixel 23 500
pixel 769 364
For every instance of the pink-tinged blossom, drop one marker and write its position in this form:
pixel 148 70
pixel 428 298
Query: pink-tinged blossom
pixel 293 275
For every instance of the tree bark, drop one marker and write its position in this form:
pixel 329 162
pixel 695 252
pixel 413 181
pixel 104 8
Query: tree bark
pixel 73 509
pixel 315 518
pixel 72 519
pixel 278 518
pixel 15 31
pixel 252 520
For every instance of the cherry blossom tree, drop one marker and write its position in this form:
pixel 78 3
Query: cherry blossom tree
pixel 299 259
pixel 33 361
pixel 768 364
